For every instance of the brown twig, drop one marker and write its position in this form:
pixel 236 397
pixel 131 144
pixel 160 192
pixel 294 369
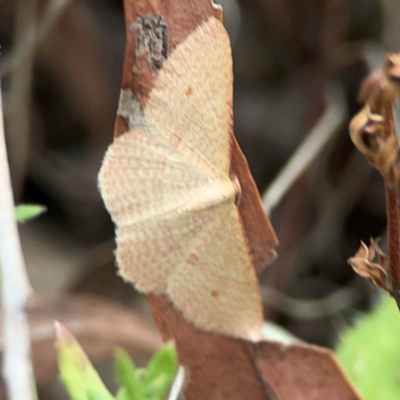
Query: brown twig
pixel 393 215
pixel 393 231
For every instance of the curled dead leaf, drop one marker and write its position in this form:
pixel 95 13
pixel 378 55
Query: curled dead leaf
pixel 363 264
pixel 372 136
pixel 381 150
pixel 375 274
pixel 366 131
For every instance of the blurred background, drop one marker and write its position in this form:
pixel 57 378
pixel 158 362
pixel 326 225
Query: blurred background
pixel 295 62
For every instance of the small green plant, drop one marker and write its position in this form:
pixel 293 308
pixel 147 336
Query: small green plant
pixel 26 212
pixel 83 383
pixel 152 383
pixel 370 352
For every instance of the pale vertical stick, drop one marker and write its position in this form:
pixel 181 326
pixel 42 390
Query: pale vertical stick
pixel 17 369
pixel 178 384
pixel 19 97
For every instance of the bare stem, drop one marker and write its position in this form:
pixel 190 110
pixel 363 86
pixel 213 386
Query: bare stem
pixel 178 385
pixel 393 229
pixel 393 216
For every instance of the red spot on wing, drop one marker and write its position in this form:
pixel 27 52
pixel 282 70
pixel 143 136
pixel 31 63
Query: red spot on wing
pixel 189 91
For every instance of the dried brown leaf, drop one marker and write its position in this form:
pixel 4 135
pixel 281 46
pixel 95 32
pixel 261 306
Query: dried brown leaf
pixel 220 367
pixel 384 260
pixel 363 265
pixel 371 139
pixel 234 369
pixel 304 372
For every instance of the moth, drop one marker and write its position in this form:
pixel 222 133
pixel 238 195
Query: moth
pixel 167 186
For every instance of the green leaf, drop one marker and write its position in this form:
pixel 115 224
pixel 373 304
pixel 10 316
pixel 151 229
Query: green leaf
pixel 370 352
pixel 76 372
pixel 130 378
pixel 161 372
pixel 25 212
pixel 122 394
pixel 157 388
